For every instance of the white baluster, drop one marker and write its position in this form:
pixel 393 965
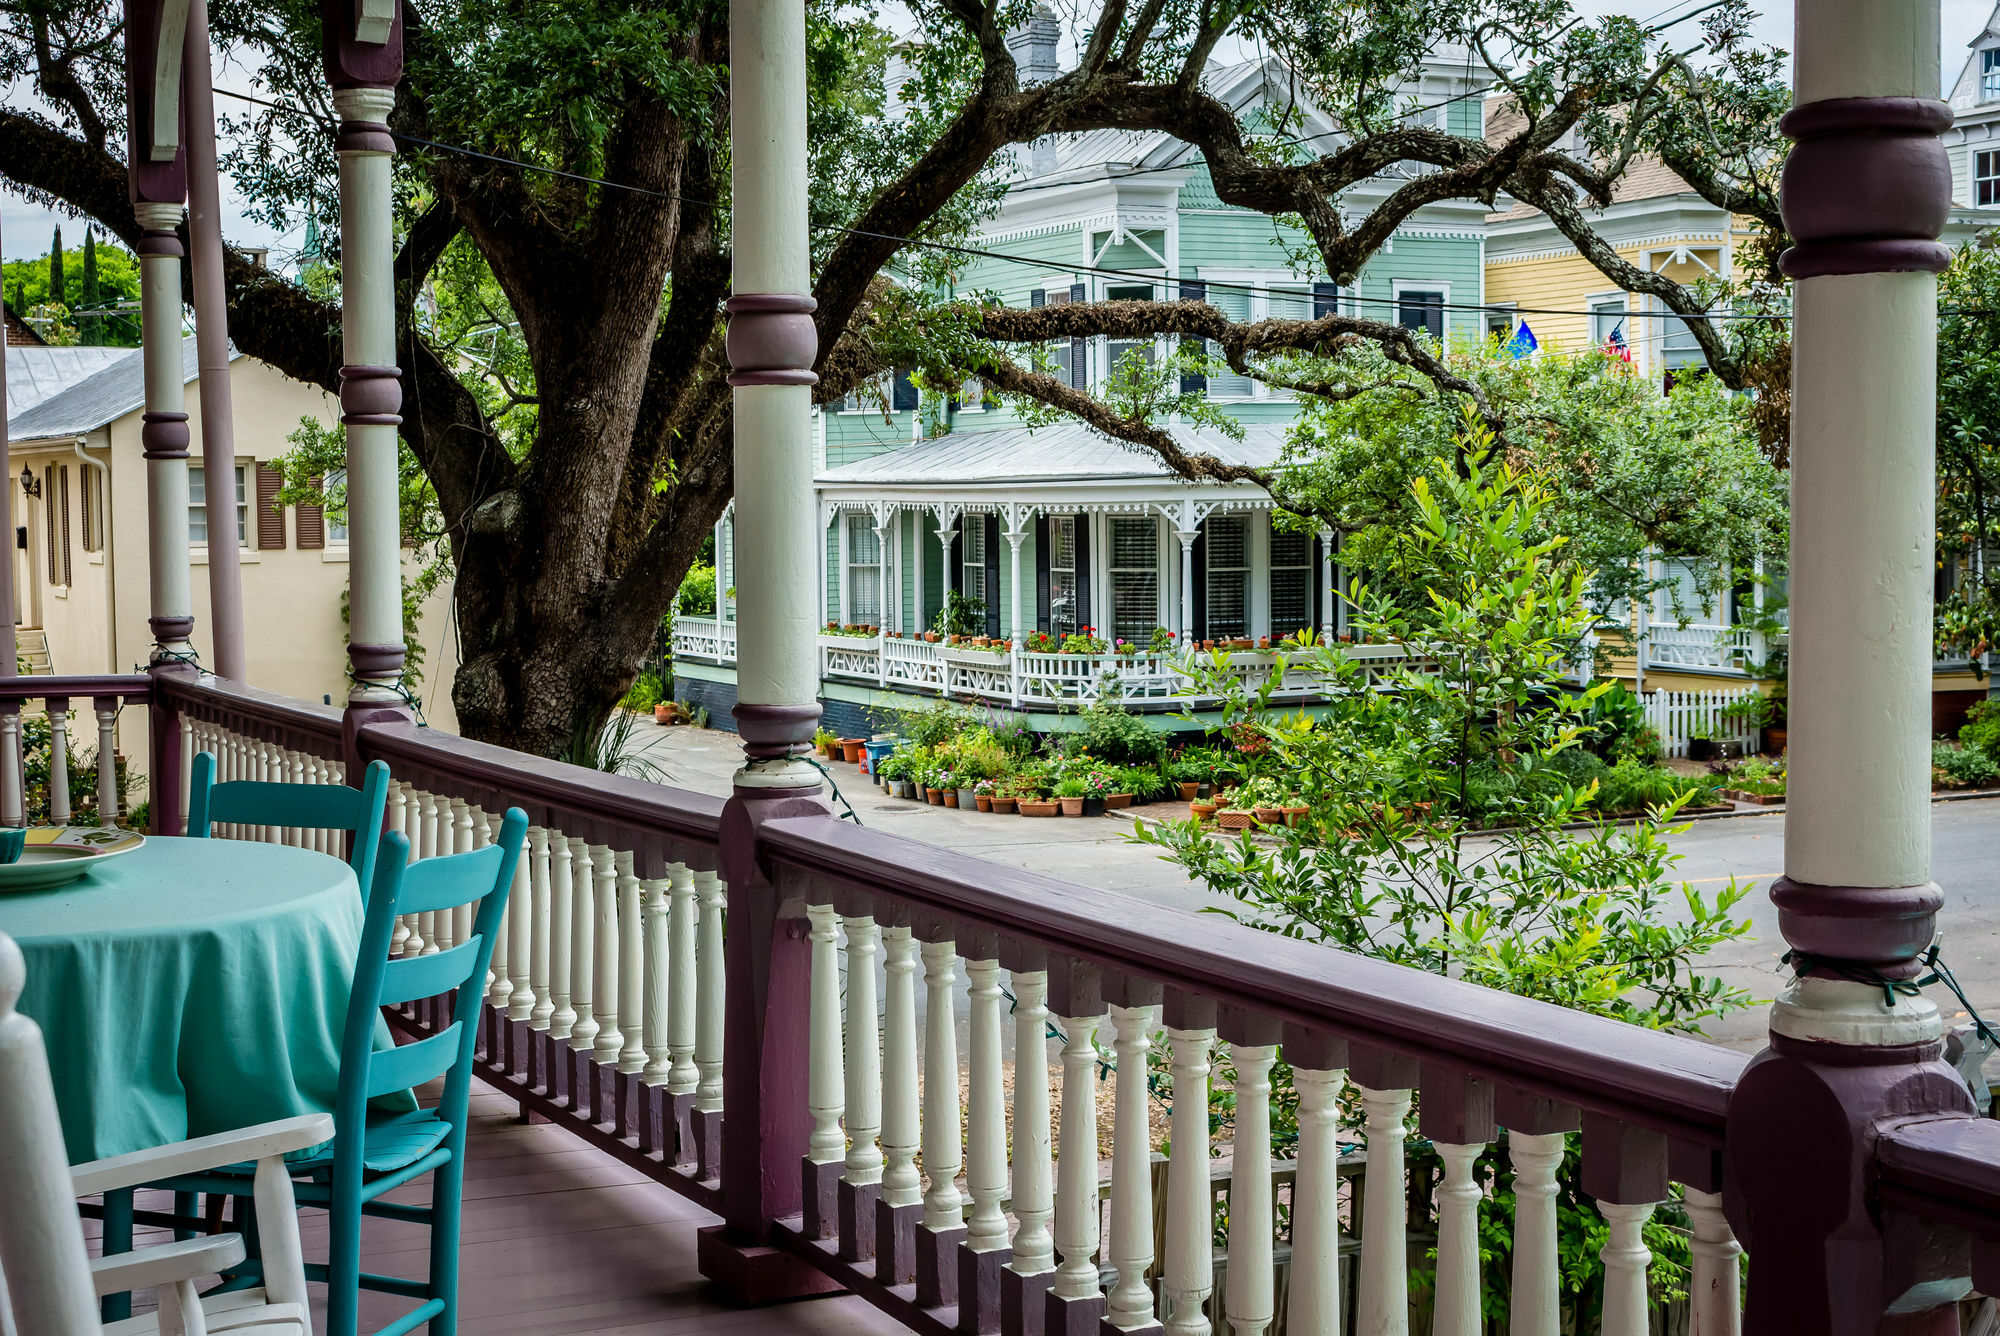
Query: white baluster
pixel 520 939
pixel 944 1209
pixel 986 1111
pixel 1034 1168
pixel 58 766
pixel 1190 1259
pixel 107 764
pixel 604 980
pixel 538 947
pixel 631 969
pixel 1715 1293
pixel 658 1059
pixel 1626 1260
pixel 413 831
pixel 1531 1305
pixel 470 829
pixel 499 969
pixel 1312 1300
pixel 1130 1247
pixel 562 924
pixel 11 811
pixel 1076 1163
pixel 682 913
pixel 863 1055
pixel 824 1086
pixel 187 767
pixel 709 989
pixel 582 955
pixel 1458 1301
pixel 900 1183
pixel 295 773
pixel 1250 1297
pixel 435 819
pixel 399 940
pixel 1382 1298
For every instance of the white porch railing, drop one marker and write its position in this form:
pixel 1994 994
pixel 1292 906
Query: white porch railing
pixel 1722 649
pixel 1678 715
pixel 709 639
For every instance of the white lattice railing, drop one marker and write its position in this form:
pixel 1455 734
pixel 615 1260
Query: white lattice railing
pixel 1679 715
pixel 1723 649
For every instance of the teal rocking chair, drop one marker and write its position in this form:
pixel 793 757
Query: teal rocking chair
pixel 295 807
pixel 372 1152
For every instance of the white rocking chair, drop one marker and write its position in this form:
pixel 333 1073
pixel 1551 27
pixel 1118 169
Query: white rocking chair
pixel 52 1285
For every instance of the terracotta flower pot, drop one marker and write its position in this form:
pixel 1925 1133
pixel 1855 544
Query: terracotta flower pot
pixel 1201 811
pixel 1004 806
pixel 985 802
pixel 950 797
pixel 1235 818
pixel 1268 816
pixel 935 797
pixel 663 713
pixel 850 749
pixel 931 636
pixel 1071 806
pixel 1038 807
pixel 1189 792
pixel 1294 815
pixel 1117 802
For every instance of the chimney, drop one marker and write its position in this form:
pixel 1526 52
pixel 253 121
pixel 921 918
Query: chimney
pixel 1033 46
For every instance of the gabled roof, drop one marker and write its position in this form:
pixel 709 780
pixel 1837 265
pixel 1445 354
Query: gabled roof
pixel 95 399
pixel 20 333
pixel 36 373
pixel 1964 90
pixel 1064 452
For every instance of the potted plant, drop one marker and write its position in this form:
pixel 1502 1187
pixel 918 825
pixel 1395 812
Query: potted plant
pixel 1263 797
pixel 982 794
pixel 665 711
pixel 1070 791
pixel 1201 809
pixel 1293 812
pixel 968 795
pixel 1097 787
pixel 850 750
pixel 1233 816
pixel 1701 743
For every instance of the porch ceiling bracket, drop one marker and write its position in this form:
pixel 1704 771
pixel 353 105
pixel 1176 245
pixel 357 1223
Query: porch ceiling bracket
pixel 947 517
pixel 156 31
pixel 884 512
pixel 374 20
pixel 1016 516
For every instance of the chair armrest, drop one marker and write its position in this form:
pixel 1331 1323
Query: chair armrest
pixel 211 1152
pixel 167 1264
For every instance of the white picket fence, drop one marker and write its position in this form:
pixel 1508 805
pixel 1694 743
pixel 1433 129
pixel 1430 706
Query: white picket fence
pixel 1676 715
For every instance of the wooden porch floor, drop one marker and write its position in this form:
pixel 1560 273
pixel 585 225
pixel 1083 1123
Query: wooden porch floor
pixel 562 1239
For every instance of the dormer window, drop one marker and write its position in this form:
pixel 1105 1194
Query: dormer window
pixel 1989 75
pixel 1986 179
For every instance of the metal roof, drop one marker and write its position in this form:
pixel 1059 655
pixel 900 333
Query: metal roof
pixel 38 373
pixel 94 399
pixel 1065 452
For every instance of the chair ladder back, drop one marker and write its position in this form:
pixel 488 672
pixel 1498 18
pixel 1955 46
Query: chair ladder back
pixel 256 802
pixel 411 977
pixel 408 1066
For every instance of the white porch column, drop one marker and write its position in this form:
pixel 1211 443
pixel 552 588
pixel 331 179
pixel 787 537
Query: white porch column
pixel 885 520
pixel 946 531
pixel 1187 530
pixel 1329 606
pixel 1866 191
pixel 165 430
pixel 1017 519
pixel 371 396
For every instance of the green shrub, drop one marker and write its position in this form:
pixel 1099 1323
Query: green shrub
pixel 1643 746
pixel 1615 717
pixel 1982 729
pixel 1960 767
pixel 1631 787
pixel 644 694
pixel 697 593
pixel 1114 734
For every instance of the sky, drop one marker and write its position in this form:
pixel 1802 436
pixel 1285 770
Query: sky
pixel 25 228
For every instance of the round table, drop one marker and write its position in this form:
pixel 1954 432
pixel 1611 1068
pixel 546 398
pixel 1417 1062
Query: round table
pixel 190 987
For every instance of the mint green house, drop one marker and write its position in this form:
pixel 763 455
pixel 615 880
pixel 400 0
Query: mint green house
pixel 1058 528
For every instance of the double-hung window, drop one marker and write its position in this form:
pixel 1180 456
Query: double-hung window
pixel 1228 575
pixel 1291 582
pixel 1608 330
pixel 1989 75
pixel 972 566
pixel 1062 575
pixel 198 505
pixel 864 571
pixel 1120 372
pixel 1986 178
pixel 1135 577
pixel 1421 308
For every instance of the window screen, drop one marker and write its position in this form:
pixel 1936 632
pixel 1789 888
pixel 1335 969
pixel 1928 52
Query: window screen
pixel 1291 582
pixel 1135 577
pixel 1228 577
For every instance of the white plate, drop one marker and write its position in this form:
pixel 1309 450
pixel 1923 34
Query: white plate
pixel 56 856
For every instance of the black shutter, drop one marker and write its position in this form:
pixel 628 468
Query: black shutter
pixel 1042 573
pixel 903 396
pixel 992 575
pixel 1193 382
pixel 1079 355
pixel 1201 583
pixel 1038 298
pixel 954 560
pixel 1326 300
pixel 1082 571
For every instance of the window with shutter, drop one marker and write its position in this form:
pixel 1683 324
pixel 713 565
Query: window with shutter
pixel 1226 384
pixel 1135 577
pixel 90 499
pixel 903 394
pixel 1126 360
pixel 972 559
pixel 1062 573
pixel 312 523
pixel 1291 582
pixel 270 515
pixel 1059 349
pixel 1193 382
pixel 62 509
pixel 1421 309
pixel 864 571
pixel 50 522
pixel 1228 577
pixel 1079 352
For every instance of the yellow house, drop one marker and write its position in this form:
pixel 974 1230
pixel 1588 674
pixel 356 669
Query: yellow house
pixel 80 566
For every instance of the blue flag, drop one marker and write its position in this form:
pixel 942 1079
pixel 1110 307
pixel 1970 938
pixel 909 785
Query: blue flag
pixel 1524 341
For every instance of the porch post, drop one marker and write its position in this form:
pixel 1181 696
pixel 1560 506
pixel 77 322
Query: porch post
pixel 947 530
pixel 1187 528
pixel 364 62
pixel 1018 517
pixel 211 341
pixel 1329 595
pixel 1846 1057
pixel 773 346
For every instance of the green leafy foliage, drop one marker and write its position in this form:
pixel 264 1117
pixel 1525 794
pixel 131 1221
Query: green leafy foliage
pixel 1967 619
pixel 697 592
pixel 1960 767
pixel 1982 728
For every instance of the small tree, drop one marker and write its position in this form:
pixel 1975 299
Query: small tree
pixel 58 286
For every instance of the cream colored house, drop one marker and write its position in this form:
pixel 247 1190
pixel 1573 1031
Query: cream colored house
pixel 80 574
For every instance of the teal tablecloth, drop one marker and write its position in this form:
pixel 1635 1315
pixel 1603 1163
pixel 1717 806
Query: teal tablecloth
pixel 190 987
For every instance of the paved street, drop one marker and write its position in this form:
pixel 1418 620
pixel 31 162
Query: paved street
pixel 1966 863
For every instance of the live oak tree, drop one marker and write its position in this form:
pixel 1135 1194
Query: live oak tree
pixel 561 339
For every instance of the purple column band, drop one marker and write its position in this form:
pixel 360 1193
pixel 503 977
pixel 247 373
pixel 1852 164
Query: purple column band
pixel 371 396
pixel 377 660
pixel 163 435
pixel 157 241
pixel 1867 187
pixel 776 730
pixel 772 340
